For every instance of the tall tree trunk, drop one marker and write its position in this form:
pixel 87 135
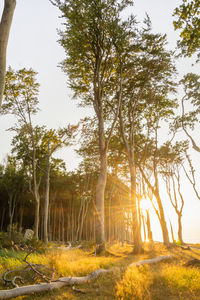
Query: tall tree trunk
pixel 2 218
pixel 46 201
pixel 59 225
pixel 21 213
pixel 160 212
pixel 137 248
pixel 37 218
pixel 144 228
pixel 11 210
pixel 49 224
pixel 180 234
pixel 109 219
pixel 63 222
pixel 5 24
pixel 54 224
pixel 172 233
pixel 149 232
pixel 100 189
pixel 163 223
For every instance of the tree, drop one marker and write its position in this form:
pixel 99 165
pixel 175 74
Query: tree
pixel 159 110
pixel 189 120
pixel 171 162
pixel 88 40
pixel 52 140
pixel 13 181
pixel 146 67
pixel 5 25
pixel 21 91
pixel 190 85
pixel 25 153
pixel 189 23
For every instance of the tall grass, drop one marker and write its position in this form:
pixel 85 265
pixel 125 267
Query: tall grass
pixel 67 263
pixel 159 283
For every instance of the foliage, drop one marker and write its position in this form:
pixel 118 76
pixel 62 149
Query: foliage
pixel 187 20
pixel 21 91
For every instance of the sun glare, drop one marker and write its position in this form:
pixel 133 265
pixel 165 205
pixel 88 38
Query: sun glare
pixel 145 204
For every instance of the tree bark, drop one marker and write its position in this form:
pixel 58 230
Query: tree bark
pixel 180 233
pixel 137 248
pixel 5 24
pixel 149 232
pixel 100 189
pixel 11 210
pixel 37 218
pixel 46 202
pixel 160 213
pixel 163 223
pixel 2 218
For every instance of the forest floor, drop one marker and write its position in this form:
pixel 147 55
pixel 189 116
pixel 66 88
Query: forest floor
pixel 170 280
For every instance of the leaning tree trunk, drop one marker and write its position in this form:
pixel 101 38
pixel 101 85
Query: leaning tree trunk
pixel 5 24
pixel 160 211
pixel 163 223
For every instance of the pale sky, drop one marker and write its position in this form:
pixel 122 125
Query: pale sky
pixel 33 43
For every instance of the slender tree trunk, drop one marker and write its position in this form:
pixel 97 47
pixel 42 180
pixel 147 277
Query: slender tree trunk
pixel 160 213
pixel 54 224
pixel 172 233
pixel 21 213
pixel 59 226
pixel 144 228
pixel 2 218
pixel 163 223
pixel 109 219
pixel 37 218
pixel 5 24
pixel 149 232
pixel 63 222
pixel 49 224
pixel 136 231
pixel 100 189
pixel 79 219
pixel 11 210
pixel 46 202
pixel 180 235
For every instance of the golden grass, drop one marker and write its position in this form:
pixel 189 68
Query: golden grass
pixel 72 263
pixel 162 281
pixel 159 282
pixel 135 284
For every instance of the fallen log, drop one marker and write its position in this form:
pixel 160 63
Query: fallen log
pixel 68 281
pixel 67 247
pixel 151 261
pixel 44 287
pixel 192 263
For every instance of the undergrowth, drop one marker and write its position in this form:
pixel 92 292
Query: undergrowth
pixel 162 281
